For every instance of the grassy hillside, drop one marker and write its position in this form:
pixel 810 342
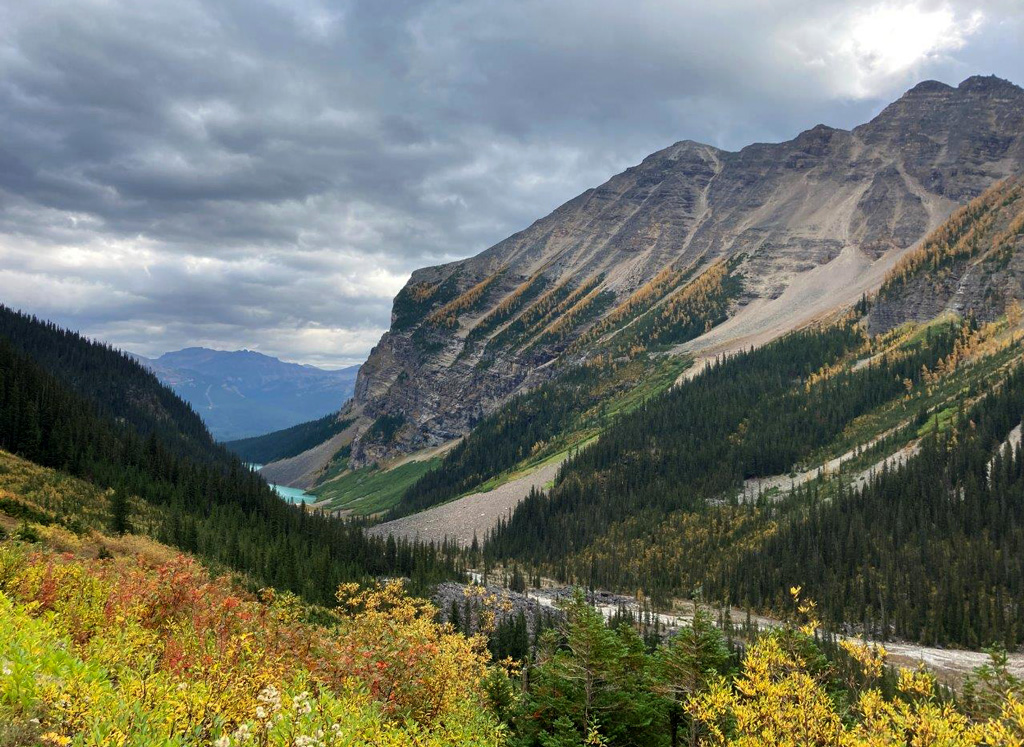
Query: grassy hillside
pixel 117 639
pixel 371 490
pixel 66 514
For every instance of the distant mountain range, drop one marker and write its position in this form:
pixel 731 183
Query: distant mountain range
pixel 243 393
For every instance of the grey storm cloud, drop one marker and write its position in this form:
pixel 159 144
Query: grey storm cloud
pixel 266 173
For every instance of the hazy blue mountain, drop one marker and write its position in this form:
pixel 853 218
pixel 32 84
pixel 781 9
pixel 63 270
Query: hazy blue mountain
pixel 243 393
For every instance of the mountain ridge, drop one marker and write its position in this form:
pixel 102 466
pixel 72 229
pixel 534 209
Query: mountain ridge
pixel 807 226
pixel 245 393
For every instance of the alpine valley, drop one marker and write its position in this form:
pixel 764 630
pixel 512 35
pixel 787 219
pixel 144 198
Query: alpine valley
pixel 668 464
pixel 498 370
pixel 722 374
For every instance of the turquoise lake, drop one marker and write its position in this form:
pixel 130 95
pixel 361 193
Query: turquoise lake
pixel 292 495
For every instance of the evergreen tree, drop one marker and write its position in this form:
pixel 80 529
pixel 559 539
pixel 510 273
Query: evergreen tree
pixel 685 666
pixel 120 513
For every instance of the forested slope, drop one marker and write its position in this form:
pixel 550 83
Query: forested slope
pixel 287 442
pixel 69 403
pixel 652 505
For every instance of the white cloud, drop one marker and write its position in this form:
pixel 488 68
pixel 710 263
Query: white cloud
pixel 865 49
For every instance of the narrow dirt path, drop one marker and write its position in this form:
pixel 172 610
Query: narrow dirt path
pixel 783 483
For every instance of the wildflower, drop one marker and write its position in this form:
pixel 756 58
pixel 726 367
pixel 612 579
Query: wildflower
pixel 270 696
pixel 302 706
pixel 242 733
pixel 261 713
pixel 222 742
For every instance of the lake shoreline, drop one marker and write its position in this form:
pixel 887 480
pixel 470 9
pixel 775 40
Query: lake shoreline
pixel 291 495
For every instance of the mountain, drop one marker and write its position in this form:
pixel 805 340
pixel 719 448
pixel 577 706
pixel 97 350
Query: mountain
pixel 810 374
pixel 695 249
pixel 872 458
pixel 972 266
pixel 243 393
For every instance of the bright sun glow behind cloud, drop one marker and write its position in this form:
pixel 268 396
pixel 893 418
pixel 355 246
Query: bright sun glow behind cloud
pixel 863 50
pixel 889 39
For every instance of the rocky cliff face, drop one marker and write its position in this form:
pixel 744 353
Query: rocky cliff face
pixel 974 265
pixel 739 246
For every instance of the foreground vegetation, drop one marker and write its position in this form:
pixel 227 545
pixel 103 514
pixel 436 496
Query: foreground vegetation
pixel 122 651
pixel 115 639
pixel 150 650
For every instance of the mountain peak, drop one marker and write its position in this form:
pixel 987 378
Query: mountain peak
pixel 936 110
pixel 929 87
pixel 817 133
pixel 989 84
pixel 680 150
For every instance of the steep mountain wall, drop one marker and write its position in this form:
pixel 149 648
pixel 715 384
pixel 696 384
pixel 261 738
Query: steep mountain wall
pixel 973 265
pixel 799 229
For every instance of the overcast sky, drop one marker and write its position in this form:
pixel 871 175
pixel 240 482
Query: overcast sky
pixel 267 173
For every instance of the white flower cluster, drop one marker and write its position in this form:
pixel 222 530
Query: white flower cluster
pixel 242 733
pixel 270 696
pixel 268 711
pixel 302 704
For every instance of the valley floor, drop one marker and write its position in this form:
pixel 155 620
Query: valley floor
pixel 950 665
pixel 470 516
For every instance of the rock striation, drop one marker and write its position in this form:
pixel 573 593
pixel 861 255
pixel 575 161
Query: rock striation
pixel 806 226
